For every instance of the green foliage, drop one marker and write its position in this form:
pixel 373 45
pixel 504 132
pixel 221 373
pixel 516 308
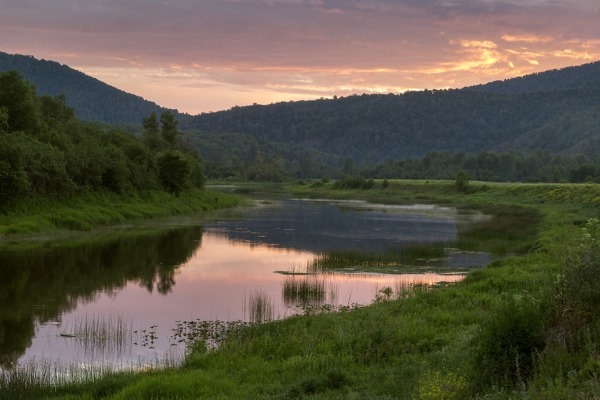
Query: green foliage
pixel 18 97
pixel 353 182
pixel 507 345
pixel 461 182
pixel 432 343
pixel 46 152
pixel 152 137
pixel 174 171
pixel 14 182
pixel 438 386
pixel 372 128
pixel 90 99
pixel 3 119
pixel 577 298
pixel 168 128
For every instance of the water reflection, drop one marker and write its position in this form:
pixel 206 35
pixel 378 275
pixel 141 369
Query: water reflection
pixel 326 226
pixel 59 301
pixel 41 284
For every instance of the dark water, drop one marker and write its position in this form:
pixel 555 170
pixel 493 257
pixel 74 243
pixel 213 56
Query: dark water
pixel 132 282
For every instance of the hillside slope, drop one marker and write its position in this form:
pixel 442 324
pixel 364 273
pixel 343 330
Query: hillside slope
pixel 583 76
pixel 376 127
pixel 90 98
pixel 553 110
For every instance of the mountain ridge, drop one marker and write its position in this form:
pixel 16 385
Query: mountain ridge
pixel 91 98
pixel 552 110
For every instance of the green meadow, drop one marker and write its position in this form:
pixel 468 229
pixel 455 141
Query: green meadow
pixel 526 326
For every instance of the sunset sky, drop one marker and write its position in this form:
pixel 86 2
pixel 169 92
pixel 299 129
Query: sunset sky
pixel 209 55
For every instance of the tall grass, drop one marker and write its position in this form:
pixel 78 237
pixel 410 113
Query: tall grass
pixel 100 334
pixel 259 307
pixel 86 211
pixel 304 290
pixel 425 345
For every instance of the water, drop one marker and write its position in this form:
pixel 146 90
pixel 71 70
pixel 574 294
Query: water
pixel 114 298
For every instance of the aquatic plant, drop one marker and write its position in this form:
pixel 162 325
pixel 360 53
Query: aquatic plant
pixel 304 291
pixel 259 307
pixel 100 333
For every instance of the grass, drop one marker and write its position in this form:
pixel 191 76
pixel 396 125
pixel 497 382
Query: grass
pixel 100 334
pixel 87 211
pixel 259 307
pixel 304 290
pixel 429 345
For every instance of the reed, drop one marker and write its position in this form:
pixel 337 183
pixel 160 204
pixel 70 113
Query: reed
pixel 101 334
pixel 306 290
pixel 259 307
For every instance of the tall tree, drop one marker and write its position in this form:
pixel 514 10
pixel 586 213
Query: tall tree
pixel 18 97
pixel 151 132
pixel 169 130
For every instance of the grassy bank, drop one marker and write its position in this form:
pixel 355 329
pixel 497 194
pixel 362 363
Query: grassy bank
pixel 86 211
pixel 527 326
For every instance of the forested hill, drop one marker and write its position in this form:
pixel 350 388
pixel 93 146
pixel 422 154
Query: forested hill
pixel 584 76
pixel 91 99
pixel 555 110
pixel 376 127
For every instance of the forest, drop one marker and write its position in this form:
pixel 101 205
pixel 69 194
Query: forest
pixel 45 151
pixel 542 127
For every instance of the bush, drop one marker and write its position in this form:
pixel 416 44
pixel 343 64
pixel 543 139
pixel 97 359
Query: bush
pixel 506 347
pixel 174 171
pixel 462 181
pixel 353 182
pixel 577 294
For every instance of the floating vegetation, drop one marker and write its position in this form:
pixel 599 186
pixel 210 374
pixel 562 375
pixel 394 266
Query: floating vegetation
pixel 211 333
pixel 259 307
pixel 391 261
pixel 147 337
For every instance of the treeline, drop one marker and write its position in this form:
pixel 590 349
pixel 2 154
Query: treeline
pixel 582 76
pixel 376 127
pixel 242 157
pixel 46 151
pixel 539 166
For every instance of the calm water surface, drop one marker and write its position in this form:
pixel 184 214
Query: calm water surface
pixel 141 282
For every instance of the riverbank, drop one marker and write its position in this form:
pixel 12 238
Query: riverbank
pixel 496 334
pixel 86 211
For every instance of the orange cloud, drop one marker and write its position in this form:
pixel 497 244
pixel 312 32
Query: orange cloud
pixel 213 54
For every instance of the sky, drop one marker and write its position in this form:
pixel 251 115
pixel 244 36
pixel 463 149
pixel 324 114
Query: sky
pixel 209 55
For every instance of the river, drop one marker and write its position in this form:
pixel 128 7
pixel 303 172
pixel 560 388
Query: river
pixel 113 298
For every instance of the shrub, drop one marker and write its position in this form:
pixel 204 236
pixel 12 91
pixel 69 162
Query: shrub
pixel 462 181
pixel 174 171
pixel 577 293
pixel 507 344
pixel 353 182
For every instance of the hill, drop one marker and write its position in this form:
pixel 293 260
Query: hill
pixel 376 127
pixel 587 75
pixel 554 110
pixel 91 99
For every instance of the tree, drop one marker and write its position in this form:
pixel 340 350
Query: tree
pixel 462 181
pixel 3 119
pixel 174 172
pixel 18 98
pixel 14 183
pixel 169 130
pixel 151 133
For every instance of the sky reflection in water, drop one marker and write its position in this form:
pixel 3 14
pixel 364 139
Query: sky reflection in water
pixel 237 258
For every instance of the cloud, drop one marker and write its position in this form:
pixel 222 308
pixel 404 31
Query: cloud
pixel 271 49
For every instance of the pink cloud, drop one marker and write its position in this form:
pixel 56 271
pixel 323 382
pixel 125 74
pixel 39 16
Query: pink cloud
pixel 271 49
